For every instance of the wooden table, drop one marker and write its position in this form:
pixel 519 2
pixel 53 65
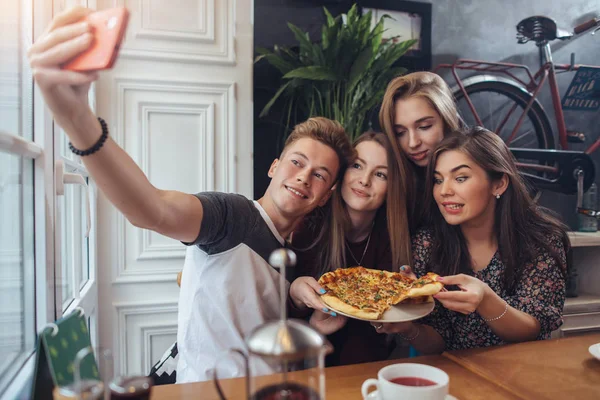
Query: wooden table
pixel 552 369
pixel 549 369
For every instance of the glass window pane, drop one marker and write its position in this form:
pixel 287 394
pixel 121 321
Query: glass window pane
pixel 17 280
pixel 74 245
pixel 16 246
pixel 63 144
pixel 65 281
pixel 84 265
pixel 16 83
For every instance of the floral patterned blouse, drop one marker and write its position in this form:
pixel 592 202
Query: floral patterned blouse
pixel 539 293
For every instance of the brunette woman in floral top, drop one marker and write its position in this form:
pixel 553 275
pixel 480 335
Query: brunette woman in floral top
pixel 501 257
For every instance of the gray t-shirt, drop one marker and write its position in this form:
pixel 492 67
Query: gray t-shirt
pixel 228 287
pixel 231 219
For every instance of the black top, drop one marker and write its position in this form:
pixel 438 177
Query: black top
pixel 357 342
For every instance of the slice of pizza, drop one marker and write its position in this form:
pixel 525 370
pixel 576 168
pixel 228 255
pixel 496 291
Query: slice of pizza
pixel 422 289
pixel 368 293
pixel 358 291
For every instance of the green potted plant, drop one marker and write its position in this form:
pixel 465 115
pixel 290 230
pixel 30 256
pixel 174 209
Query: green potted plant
pixel 341 77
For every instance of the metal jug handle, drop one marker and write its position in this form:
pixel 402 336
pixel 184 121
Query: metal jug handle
pixel 246 366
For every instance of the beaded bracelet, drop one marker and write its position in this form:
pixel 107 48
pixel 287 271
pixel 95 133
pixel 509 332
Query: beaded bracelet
pixel 499 316
pixel 410 339
pixel 96 146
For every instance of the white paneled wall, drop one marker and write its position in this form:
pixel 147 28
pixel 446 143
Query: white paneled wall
pixel 179 133
pixel 179 101
pixel 146 331
pixel 199 31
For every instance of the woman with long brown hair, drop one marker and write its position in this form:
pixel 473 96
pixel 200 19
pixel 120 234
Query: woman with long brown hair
pixel 365 223
pixel 417 112
pixel 505 254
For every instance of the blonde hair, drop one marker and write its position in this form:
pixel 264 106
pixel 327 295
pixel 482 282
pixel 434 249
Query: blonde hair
pixel 328 132
pixel 436 92
pixel 426 85
pixel 333 254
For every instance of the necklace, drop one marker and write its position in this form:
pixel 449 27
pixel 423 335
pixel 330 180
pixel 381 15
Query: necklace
pixel 359 263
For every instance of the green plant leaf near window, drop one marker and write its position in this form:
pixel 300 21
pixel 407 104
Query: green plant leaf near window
pixel 342 77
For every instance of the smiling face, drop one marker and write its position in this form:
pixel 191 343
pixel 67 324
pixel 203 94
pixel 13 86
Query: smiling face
pixel 418 127
pixel 302 178
pixel 463 190
pixel 364 187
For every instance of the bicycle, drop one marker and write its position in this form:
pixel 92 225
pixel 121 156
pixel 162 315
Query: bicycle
pixel 498 86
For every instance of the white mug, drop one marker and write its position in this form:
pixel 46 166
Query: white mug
pixel 391 391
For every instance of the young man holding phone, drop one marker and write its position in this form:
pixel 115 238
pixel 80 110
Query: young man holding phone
pixel 228 287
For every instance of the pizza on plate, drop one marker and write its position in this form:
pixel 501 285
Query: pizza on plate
pixel 368 293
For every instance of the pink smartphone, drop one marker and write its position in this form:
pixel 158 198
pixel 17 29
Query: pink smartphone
pixel 108 28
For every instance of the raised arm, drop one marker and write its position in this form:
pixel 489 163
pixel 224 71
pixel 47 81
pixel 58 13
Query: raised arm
pixel 174 214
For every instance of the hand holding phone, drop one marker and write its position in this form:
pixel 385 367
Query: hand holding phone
pixel 108 28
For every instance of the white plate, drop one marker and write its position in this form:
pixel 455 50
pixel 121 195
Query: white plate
pixel 399 313
pixel 374 395
pixel 595 350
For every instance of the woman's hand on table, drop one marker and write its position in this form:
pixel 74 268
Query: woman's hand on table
pixel 305 292
pixel 326 323
pixel 468 298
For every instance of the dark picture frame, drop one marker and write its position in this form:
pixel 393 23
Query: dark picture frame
pixel 418 15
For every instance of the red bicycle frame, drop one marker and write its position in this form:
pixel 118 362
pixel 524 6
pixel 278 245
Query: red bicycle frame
pixel 532 83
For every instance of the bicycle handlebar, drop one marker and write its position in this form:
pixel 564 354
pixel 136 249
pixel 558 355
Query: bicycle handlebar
pixel 586 25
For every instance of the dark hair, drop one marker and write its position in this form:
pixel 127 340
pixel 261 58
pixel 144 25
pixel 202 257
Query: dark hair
pixel 328 132
pixel 522 228
pixel 423 84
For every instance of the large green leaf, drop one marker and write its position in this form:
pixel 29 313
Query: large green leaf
pixel 391 54
pixel 352 16
pixel 278 62
pixel 360 66
pixel 304 39
pixel 330 19
pixel 364 29
pixel 315 73
pixel 376 36
pixel 267 108
pixel 325 37
pixel 291 56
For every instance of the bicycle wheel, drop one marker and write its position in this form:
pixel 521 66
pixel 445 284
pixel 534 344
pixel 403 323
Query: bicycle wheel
pixel 499 105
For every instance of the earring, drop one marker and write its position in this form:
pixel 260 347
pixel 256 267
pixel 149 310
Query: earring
pixel 498 196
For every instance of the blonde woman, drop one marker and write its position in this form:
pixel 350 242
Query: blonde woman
pixel 365 224
pixel 417 112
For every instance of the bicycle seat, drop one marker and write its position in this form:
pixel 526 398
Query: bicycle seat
pixel 540 29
